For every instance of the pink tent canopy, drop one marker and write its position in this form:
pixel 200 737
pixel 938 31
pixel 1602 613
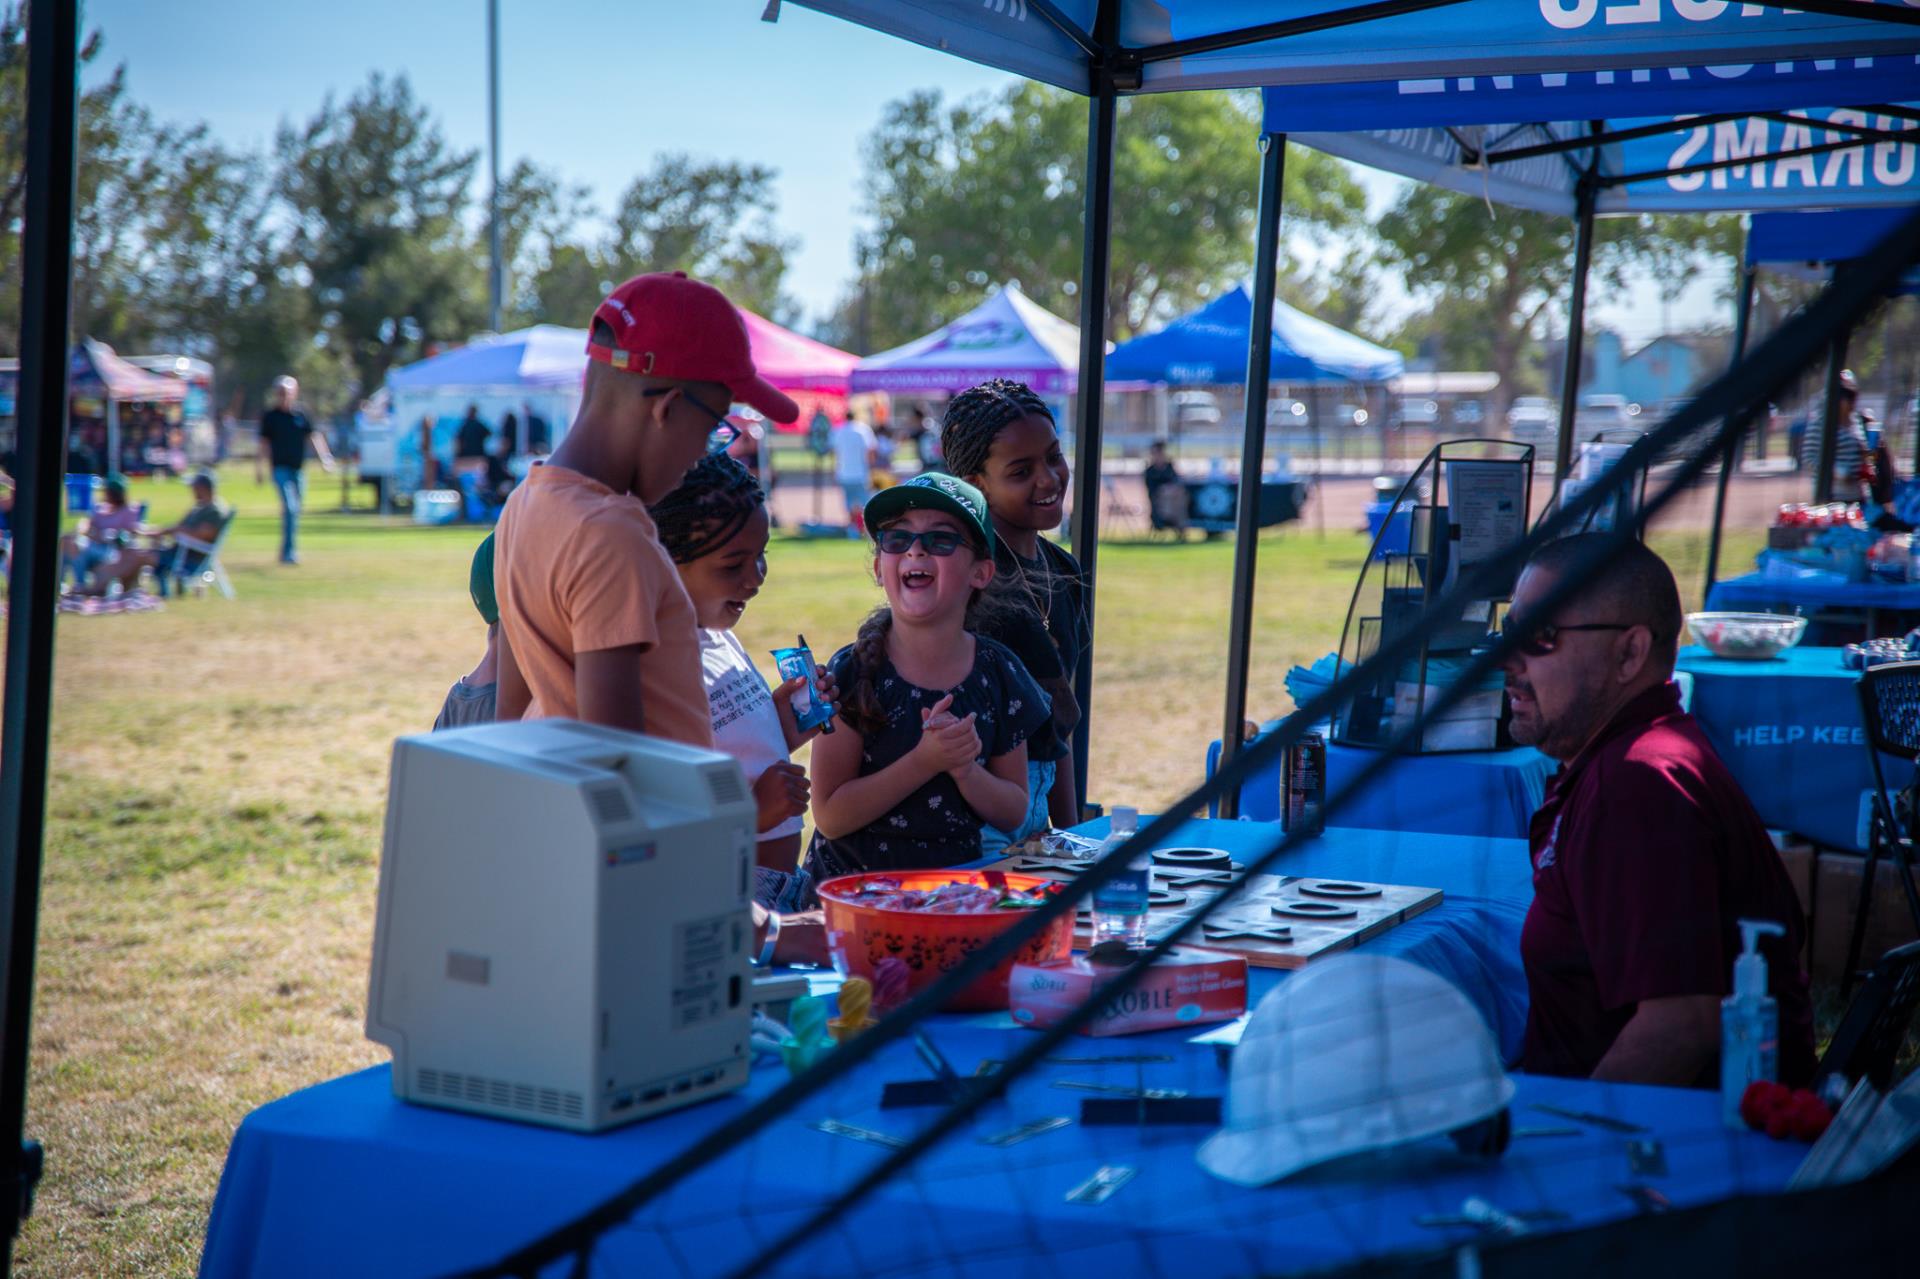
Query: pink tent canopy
pixel 813 373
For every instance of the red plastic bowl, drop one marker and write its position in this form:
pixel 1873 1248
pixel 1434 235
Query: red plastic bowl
pixel 860 936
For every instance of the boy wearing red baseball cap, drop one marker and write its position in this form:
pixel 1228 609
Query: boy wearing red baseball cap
pixel 594 623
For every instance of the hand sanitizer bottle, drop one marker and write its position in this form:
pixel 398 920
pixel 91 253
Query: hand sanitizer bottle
pixel 1749 1024
pixel 1120 904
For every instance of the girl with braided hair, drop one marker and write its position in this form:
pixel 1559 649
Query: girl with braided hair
pixel 939 716
pixel 1000 437
pixel 714 527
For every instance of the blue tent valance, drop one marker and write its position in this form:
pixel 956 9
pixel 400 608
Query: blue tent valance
pixel 1178 44
pixel 1824 157
pixel 1209 347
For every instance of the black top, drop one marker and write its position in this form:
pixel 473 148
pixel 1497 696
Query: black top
pixel 934 826
pixel 472 439
pixel 1039 610
pixel 285 435
pixel 1158 476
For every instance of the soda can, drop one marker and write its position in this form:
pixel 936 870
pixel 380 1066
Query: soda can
pixel 1304 783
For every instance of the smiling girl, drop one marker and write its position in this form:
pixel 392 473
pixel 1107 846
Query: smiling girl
pixel 940 716
pixel 1000 437
pixel 715 527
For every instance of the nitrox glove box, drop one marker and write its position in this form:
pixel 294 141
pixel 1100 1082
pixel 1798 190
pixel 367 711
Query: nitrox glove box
pixel 1187 987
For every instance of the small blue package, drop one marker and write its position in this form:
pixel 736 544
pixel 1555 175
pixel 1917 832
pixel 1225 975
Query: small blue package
pixel 810 711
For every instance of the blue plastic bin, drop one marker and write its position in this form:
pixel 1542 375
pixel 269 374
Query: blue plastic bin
pixel 1399 532
pixel 80 492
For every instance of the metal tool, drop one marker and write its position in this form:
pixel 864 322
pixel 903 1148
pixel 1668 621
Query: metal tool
pixel 857 1133
pixel 1101 1186
pixel 1122 1090
pixel 1646 1157
pixel 1014 1136
pixel 1585 1117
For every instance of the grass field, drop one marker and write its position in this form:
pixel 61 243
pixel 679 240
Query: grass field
pixel 219 773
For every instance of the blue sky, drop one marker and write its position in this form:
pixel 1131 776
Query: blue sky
pixel 703 76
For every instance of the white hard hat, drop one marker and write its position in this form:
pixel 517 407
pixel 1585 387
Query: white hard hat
pixel 1356 1053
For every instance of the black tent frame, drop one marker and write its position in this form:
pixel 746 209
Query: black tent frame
pixel 47 215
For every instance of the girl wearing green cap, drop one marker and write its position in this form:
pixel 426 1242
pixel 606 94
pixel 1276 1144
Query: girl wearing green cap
pixel 940 717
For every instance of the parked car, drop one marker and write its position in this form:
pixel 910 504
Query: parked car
pixel 1285 412
pixel 1603 413
pixel 1535 420
pixel 1418 413
pixel 1351 415
pixel 1468 413
pixel 1195 408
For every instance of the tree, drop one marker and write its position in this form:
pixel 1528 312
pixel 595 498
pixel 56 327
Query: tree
pixel 712 219
pixel 1492 275
pixel 375 196
pixel 966 197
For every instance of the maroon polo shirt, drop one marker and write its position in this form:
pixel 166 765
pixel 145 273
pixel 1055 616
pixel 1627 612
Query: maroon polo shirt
pixel 1646 853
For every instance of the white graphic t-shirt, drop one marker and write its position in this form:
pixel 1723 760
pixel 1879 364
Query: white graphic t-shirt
pixel 745 723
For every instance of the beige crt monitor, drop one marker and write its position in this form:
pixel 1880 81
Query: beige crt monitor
pixel 563 926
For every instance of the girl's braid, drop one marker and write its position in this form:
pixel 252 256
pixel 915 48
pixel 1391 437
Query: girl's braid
pixel 713 503
pixel 862 709
pixel 978 414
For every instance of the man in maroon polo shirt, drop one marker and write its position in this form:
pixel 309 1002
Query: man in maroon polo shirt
pixel 1646 852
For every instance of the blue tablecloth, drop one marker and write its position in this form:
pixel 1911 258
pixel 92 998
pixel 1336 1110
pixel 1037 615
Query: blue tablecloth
pixel 1469 793
pixel 342 1178
pixel 1765 592
pixel 1789 730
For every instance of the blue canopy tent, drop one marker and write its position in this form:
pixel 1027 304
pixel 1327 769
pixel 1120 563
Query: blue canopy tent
pixel 1102 48
pixel 1209 347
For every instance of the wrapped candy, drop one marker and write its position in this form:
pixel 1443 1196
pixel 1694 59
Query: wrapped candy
pixel 889 984
pixel 856 998
pixel 806 1034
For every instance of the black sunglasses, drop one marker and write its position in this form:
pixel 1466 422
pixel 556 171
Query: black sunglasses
pixel 724 432
pixel 1547 638
pixel 898 541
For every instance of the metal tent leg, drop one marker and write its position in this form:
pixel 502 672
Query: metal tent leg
pixel 1576 334
pixel 1246 530
pixel 45 295
pixel 1730 457
pixel 1102 113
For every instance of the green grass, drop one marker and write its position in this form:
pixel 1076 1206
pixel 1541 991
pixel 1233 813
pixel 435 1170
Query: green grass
pixel 218 782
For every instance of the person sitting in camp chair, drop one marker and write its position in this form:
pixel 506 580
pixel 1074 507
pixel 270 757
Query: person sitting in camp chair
pixel 183 547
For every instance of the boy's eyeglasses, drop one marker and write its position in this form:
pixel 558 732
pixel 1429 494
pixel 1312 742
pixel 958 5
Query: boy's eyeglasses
pixel 1547 638
pixel 724 432
pixel 898 541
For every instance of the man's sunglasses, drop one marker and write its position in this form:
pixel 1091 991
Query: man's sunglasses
pixel 724 432
pixel 898 541
pixel 1547 638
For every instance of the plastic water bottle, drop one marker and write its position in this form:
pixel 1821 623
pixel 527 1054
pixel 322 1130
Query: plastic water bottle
pixel 1120 904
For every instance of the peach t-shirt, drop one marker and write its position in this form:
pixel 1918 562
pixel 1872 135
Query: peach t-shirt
pixel 578 568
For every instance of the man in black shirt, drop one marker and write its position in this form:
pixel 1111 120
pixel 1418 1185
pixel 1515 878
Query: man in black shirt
pixel 471 441
pixel 284 432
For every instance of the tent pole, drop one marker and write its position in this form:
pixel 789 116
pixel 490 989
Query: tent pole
pixel 1576 331
pixel 112 461
pixel 1730 459
pixel 1830 420
pixel 1103 109
pixel 46 288
pixel 1246 519
pixel 496 274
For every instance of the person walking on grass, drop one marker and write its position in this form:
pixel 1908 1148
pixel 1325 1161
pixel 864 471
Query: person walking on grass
pixel 284 432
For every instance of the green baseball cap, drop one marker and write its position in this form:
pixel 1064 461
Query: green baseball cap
pixel 935 492
pixel 480 582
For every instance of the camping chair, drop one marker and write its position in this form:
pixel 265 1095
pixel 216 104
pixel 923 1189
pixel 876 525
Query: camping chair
pixel 1120 514
pixel 209 571
pixel 1868 1039
pixel 1890 710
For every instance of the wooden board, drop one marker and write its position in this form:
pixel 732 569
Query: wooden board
pixel 1309 939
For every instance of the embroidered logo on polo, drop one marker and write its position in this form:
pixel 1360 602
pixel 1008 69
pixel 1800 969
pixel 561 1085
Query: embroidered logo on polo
pixel 1546 855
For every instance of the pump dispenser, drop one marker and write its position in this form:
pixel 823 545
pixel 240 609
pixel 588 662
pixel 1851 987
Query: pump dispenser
pixel 1749 1023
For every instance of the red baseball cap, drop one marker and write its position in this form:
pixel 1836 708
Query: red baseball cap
pixel 667 326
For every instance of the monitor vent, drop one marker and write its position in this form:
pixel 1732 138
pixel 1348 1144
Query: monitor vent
pixel 498 1093
pixel 726 786
pixel 610 805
